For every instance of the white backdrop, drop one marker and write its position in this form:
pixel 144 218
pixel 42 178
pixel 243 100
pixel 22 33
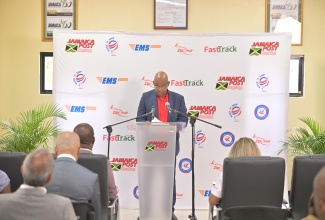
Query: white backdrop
pixel 236 80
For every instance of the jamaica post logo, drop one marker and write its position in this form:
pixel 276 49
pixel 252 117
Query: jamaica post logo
pixel 79 108
pixel 262 82
pixel 227 139
pixel 205 111
pixel 144 47
pixel 200 138
pixel 263 48
pixel 111 46
pixel 261 112
pixel 111 80
pixel 80 45
pixel 185 165
pixel 156 146
pixel 136 192
pixel 79 79
pixel 230 82
pixel 235 111
pixel 124 164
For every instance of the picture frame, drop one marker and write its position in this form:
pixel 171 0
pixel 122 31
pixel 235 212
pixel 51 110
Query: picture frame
pixel 285 16
pixel 296 78
pixel 57 14
pixel 171 14
pixel 46 72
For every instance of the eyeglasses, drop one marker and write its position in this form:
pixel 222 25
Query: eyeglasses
pixel 160 87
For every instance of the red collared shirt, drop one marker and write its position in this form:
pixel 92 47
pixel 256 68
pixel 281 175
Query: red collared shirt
pixel 162 110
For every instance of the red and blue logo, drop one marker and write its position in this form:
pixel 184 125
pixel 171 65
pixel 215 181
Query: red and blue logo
pixel 227 139
pixel 235 111
pixel 200 138
pixel 111 46
pixel 79 79
pixel 185 165
pixel 261 112
pixel 136 192
pixel 262 82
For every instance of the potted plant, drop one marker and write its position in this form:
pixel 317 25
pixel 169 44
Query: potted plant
pixel 305 141
pixel 31 130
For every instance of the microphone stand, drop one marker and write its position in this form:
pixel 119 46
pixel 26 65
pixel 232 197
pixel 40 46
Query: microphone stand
pixel 193 118
pixel 110 130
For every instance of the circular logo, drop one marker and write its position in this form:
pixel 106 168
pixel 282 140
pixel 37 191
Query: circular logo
pixel 79 78
pixel 200 137
pixel 261 112
pixel 262 82
pixel 136 192
pixel 227 139
pixel 185 165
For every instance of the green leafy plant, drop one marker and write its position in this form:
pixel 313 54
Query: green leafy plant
pixel 306 141
pixel 31 130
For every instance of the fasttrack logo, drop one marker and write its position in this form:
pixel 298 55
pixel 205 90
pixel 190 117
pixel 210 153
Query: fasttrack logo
pixel 156 146
pixel 230 82
pixel 119 112
pixel 217 166
pixel 186 82
pixel 262 141
pixel 220 49
pixel 112 46
pixel 124 164
pixel 79 108
pixel 147 82
pixel 80 45
pixel 111 80
pixel 144 47
pixel 119 137
pixel 183 50
pixel 206 112
pixel 263 48
pixel 205 193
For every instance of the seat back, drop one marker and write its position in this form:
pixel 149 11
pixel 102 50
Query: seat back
pixel 257 213
pixel 304 170
pixel 84 210
pixel 251 181
pixel 10 162
pixel 98 164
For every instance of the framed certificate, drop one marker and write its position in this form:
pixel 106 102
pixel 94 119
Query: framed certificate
pixel 58 14
pixel 170 14
pixel 285 16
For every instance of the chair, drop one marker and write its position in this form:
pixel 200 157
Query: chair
pixel 98 164
pixel 252 181
pixel 257 213
pixel 304 170
pixel 84 210
pixel 10 162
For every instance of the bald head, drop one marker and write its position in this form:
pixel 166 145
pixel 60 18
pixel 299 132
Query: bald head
pixel 161 84
pixel 319 193
pixel 86 135
pixel 161 75
pixel 68 142
pixel 37 168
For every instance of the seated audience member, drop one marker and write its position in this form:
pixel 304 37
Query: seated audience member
pixel 31 201
pixel 71 179
pixel 317 205
pixel 243 147
pixel 4 183
pixel 87 140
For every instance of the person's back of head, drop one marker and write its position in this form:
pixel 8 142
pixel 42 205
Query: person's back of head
pixel 37 168
pixel 86 135
pixel 319 193
pixel 244 147
pixel 67 142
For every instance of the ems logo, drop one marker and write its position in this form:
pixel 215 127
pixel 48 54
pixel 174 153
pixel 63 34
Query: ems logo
pixel 227 139
pixel 185 165
pixel 136 192
pixel 261 112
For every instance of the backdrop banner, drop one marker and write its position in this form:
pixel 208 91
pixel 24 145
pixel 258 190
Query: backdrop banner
pixel 239 81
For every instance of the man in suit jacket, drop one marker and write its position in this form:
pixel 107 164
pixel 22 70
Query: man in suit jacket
pixel 158 97
pixel 31 201
pixel 71 179
pixel 87 140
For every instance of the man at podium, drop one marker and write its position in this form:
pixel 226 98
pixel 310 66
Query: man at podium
pixel 155 101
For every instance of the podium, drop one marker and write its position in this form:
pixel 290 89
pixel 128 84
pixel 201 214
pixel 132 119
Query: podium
pixel 156 160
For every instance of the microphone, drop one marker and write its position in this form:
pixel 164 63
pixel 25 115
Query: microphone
pixel 152 112
pixel 168 107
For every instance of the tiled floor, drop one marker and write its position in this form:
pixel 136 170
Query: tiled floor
pixel 132 214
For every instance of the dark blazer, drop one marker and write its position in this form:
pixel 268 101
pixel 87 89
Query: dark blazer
pixel 75 182
pixel 176 102
pixel 33 203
